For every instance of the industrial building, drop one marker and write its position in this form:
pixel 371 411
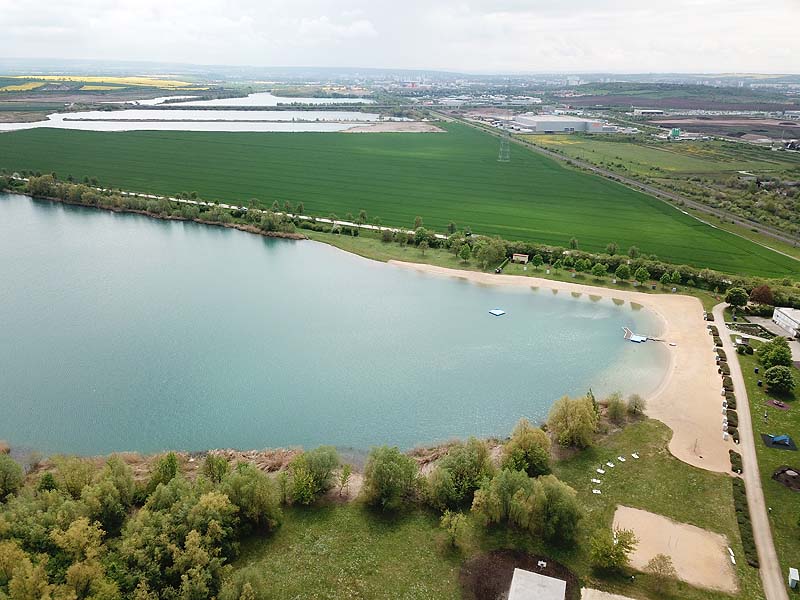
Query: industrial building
pixel 560 124
pixel 788 319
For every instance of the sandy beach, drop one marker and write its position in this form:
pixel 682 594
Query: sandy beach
pixel 688 399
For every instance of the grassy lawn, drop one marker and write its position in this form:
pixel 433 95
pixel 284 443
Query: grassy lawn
pixel 443 177
pixel 346 551
pixel 785 504
pixel 369 246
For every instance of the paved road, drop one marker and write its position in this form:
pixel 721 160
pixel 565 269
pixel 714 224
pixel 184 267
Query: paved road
pixel 771 576
pixel 668 196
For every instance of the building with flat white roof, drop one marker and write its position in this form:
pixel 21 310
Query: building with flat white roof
pixel 559 124
pixel 788 319
pixel 527 585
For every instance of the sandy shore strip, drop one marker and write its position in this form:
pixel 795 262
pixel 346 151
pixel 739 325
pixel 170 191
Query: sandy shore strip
pixel 700 557
pixel 688 400
pixel 396 127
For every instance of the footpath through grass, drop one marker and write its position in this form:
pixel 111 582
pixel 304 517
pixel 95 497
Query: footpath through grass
pixel 443 177
pixel 784 504
pixel 347 551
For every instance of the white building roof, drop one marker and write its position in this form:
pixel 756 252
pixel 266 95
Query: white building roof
pixel 792 313
pixel 526 118
pixel 527 585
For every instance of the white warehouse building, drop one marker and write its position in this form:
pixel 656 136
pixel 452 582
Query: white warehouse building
pixel 561 124
pixel 788 319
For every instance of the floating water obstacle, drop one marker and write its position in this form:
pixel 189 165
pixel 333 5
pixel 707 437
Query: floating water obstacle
pixel 633 337
pixel 497 312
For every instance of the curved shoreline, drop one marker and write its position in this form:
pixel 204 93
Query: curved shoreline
pixel 688 399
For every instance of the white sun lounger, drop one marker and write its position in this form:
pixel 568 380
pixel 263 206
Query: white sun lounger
pixel 621 458
pixel 601 471
pixel 596 480
pixel 635 455
pixel 733 560
pixel 596 492
pixel 730 551
pixel 610 464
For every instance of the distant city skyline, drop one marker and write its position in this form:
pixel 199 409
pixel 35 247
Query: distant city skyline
pixel 478 36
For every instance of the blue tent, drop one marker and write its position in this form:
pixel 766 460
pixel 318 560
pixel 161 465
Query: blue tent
pixel 782 439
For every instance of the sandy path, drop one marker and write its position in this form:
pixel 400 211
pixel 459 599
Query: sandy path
pixel 770 571
pixel 590 594
pixel 688 400
pixel 700 557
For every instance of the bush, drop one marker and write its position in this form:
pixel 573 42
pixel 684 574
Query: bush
pixel 727 383
pixel 736 461
pixel 389 478
pixel 609 554
pixel 458 474
pixel 72 475
pixel 254 494
pixel 733 418
pixel 215 468
pixel 312 473
pixel 249 583
pixel 528 450
pixel 636 405
pixel 743 519
pixel 11 476
pixel 774 353
pixel 165 470
pixel 616 409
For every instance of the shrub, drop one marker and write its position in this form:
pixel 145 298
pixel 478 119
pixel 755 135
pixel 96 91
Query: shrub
pixel 774 353
pixel 389 478
pixel 733 418
pixel 11 476
pixel 312 473
pixel 616 409
pixel 736 461
pixel 612 552
pixel 72 475
pixel 249 583
pixel 458 474
pixel 636 405
pixel 254 494
pixel 743 519
pixel 454 525
pixel 165 470
pixel 528 450
pixel 727 383
pixel 215 467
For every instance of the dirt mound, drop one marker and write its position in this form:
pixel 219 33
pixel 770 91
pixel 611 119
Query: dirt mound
pixel 488 576
pixel 788 476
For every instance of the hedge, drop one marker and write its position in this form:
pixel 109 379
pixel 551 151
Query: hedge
pixel 717 341
pixel 721 354
pixel 713 329
pixel 709 317
pixel 727 383
pixel 733 418
pixel 736 461
pixel 743 519
pixel 724 368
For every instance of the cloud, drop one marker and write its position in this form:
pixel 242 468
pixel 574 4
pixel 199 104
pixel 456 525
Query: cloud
pixel 466 35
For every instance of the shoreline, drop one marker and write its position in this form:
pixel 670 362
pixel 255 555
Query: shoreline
pixel 692 416
pixel 687 400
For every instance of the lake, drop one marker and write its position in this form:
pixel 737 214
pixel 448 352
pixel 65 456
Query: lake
pixel 120 332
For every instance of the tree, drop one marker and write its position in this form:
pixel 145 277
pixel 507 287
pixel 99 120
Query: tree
pixel 528 450
pixel 389 478
pixel 344 477
pixel 616 408
pixel 493 501
pixel 459 473
pixel 611 248
pixel 423 246
pixel 420 235
pixel 216 468
pixel 675 277
pixel 11 476
pixel 491 252
pixel 287 207
pixel 301 208
pixel 736 297
pixel 454 525
pixel 612 552
pixel 665 279
pixel 762 294
pixel 636 404
pixel 554 510
pixel 573 243
pixel 633 252
pixel 623 272
pixel 73 474
pixel 464 252
pixel 779 379
pixel 312 473
pixel 774 353
pixel 451 228
pixel 254 494
pixel 275 206
pixel 165 470
pixel 537 261
pixel 662 570
pixel 641 275
pixel 573 421
pixel 599 270
pixel 362 217
pixel 417 222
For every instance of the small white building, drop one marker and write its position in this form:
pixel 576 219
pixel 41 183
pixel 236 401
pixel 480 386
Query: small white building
pixel 519 258
pixel 527 585
pixel 788 319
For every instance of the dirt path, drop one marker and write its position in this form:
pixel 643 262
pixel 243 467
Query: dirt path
pixel 700 557
pixel 771 576
pixel 688 399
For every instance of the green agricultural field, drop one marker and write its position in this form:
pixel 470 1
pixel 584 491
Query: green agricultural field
pixel 443 177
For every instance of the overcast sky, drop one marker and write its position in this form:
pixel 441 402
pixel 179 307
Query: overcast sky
pixel 462 35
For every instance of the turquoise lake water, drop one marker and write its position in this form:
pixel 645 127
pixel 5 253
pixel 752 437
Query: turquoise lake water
pixel 120 332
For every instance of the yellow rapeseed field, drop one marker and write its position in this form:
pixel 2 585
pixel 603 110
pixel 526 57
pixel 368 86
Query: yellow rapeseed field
pixel 127 81
pixel 22 87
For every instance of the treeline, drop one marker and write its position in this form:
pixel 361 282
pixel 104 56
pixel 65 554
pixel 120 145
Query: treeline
pixel 76 530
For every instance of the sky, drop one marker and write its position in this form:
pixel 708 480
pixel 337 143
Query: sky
pixel 481 36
